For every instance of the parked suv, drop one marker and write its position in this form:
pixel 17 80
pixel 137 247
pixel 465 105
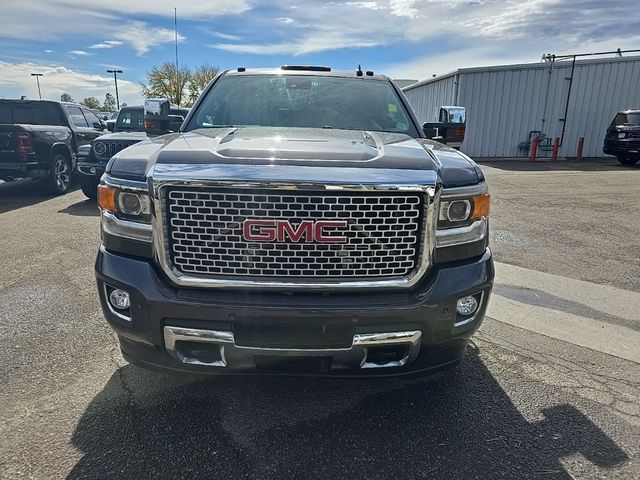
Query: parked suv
pixel 299 222
pixel 128 129
pixel 40 139
pixel 623 137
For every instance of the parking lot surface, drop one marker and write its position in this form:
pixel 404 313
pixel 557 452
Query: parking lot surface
pixel 549 388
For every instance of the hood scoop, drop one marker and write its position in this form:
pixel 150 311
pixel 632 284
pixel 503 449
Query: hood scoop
pixel 236 145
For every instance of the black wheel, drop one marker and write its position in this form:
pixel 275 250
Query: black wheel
pixel 628 161
pixel 59 179
pixel 89 188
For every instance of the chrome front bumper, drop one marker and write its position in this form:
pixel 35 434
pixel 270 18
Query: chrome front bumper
pixel 239 357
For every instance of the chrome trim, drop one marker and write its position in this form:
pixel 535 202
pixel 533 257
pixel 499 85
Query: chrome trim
pixel 142 232
pixel 287 177
pixel 468 191
pixel 390 338
pixel 411 338
pixel 124 184
pixel 461 235
pixel 110 307
pixel 473 317
pixel 241 357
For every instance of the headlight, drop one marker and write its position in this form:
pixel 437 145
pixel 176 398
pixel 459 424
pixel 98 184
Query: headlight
pixel 125 212
pixel 461 211
pixel 463 216
pixel 100 149
pixel 127 203
pixel 622 134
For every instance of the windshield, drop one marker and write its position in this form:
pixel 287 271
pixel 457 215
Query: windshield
pixel 130 120
pixel 303 101
pixel 633 119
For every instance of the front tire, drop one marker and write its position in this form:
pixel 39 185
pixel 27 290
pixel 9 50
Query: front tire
pixel 59 179
pixel 628 161
pixel 89 188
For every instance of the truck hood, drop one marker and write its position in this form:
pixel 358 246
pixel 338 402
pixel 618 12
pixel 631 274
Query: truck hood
pixel 123 136
pixel 292 147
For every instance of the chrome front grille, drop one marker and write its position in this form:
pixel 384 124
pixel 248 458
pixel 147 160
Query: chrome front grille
pixel 382 237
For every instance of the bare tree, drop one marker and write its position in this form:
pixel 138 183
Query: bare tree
pixel 164 82
pixel 200 78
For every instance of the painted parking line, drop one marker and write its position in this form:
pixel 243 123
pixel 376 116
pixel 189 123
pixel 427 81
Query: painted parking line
pixel 599 317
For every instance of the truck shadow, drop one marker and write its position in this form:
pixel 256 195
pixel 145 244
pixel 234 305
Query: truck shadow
pixel 85 208
pixel 459 425
pixel 23 193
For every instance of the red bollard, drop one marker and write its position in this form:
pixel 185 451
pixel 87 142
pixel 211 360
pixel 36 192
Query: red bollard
pixel 534 149
pixel 556 146
pixel 580 147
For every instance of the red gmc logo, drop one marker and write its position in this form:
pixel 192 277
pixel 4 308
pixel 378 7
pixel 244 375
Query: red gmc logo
pixel 262 230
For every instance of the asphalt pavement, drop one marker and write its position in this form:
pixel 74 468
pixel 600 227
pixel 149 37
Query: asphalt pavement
pixel 549 388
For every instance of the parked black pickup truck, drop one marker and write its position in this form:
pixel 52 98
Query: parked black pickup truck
pixel 298 222
pixel 128 129
pixel 40 139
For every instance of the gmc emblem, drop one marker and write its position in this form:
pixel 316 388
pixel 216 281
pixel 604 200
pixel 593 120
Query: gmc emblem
pixel 308 231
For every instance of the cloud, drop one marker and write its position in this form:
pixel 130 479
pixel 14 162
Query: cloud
pixel 225 36
pixel 143 37
pixel 537 25
pixel 404 8
pixel 48 51
pixel 64 19
pixel 367 5
pixel 107 44
pixel 79 53
pixel 302 46
pixel 57 79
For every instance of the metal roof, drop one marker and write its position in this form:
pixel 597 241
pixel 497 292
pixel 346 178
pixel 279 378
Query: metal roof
pixel 522 66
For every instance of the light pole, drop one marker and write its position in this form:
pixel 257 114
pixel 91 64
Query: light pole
pixel 115 79
pixel 38 75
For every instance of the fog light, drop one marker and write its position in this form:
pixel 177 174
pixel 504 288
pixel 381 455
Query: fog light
pixel 467 305
pixel 119 299
pixel 93 170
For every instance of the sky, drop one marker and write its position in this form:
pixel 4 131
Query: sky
pixel 73 42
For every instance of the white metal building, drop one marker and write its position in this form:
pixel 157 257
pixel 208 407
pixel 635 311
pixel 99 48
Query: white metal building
pixel 505 103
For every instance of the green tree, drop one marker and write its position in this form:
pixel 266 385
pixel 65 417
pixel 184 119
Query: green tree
pixel 65 97
pixel 91 102
pixel 165 82
pixel 109 104
pixel 200 78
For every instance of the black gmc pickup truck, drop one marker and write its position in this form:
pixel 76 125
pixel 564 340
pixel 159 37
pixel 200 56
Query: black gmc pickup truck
pixel 300 222
pixel 40 139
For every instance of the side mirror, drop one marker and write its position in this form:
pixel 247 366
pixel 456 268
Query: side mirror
pixel 451 128
pixel 111 126
pixel 157 117
pixel 430 130
pixel 98 125
pixel 175 122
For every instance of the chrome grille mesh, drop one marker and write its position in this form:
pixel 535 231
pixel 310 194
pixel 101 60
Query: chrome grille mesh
pixel 205 237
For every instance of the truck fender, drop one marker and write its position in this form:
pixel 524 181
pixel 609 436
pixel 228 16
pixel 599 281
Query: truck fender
pixel 62 148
